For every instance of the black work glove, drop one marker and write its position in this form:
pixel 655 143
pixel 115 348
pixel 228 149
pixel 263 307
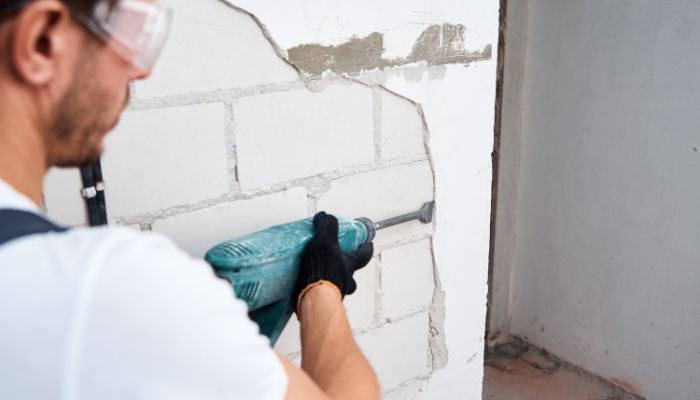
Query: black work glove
pixel 323 260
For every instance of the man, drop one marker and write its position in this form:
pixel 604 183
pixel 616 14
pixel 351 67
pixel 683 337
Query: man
pixel 111 313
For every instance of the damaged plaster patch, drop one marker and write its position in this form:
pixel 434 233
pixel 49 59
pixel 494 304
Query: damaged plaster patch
pixel 437 45
pixel 436 315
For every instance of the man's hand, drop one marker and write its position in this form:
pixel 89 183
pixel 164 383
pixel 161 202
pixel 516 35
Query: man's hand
pixel 333 366
pixel 323 261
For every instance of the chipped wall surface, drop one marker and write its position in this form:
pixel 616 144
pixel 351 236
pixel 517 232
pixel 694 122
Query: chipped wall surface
pixel 438 54
pixel 260 114
pixel 603 244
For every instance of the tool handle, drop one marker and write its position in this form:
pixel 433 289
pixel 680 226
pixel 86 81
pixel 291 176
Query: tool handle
pixel 263 267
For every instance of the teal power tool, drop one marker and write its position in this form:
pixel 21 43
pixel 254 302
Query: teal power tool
pixel 263 266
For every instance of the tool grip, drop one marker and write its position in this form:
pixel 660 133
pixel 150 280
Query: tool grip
pixel 263 266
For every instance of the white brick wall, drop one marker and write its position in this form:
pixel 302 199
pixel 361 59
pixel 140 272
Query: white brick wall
pixel 166 157
pixel 198 231
pixel 290 135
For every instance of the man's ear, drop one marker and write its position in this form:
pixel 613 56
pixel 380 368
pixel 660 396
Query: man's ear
pixel 42 35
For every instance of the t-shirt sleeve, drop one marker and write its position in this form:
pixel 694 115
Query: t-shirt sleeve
pixel 159 324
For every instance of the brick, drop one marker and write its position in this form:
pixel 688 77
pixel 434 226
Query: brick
pixel 62 197
pixel 383 194
pixel 360 305
pixel 197 231
pixel 289 135
pixel 212 46
pixel 290 340
pixel 161 158
pixel 402 128
pixel 407 278
pixel 398 351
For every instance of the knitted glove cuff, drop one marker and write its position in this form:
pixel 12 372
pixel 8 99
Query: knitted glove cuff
pixel 311 286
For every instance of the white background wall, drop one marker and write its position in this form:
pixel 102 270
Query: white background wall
pixel 227 138
pixel 605 256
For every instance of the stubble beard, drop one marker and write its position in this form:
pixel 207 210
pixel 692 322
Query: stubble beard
pixel 83 117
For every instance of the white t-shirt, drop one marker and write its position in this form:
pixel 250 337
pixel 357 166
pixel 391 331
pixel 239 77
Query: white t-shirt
pixel 112 313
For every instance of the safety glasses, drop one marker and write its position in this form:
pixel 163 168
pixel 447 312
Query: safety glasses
pixel 135 29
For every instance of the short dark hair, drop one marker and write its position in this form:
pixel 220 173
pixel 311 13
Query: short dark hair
pixel 9 8
pixel 85 6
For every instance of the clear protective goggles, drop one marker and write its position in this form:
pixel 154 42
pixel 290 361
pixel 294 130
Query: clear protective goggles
pixel 135 29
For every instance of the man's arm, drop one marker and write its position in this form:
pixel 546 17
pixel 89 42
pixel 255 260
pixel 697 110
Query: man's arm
pixel 332 364
pixel 330 355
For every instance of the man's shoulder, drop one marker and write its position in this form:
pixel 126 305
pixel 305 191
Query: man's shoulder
pixel 82 245
pixel 145 312
pixel 120 256
pixel 109 245
pixel 131 273
pixel 116 236
pixel 125 252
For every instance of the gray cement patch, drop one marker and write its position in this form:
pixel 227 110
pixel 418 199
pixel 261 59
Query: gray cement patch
pixel 437 45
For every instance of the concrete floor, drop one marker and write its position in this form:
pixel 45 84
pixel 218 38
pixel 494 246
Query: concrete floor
pixel 520 372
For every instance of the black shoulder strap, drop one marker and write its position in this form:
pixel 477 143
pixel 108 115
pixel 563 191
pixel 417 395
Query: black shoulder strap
pixel 15 224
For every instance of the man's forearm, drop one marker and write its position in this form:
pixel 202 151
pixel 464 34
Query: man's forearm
pixel 330 354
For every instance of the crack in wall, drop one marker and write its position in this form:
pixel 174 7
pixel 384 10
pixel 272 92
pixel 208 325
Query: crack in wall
pixel 281 53
pixel 439 355
pixel 437 45
pixel 377 122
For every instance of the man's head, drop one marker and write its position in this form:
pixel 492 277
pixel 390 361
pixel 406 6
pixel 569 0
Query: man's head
pixel 67 65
